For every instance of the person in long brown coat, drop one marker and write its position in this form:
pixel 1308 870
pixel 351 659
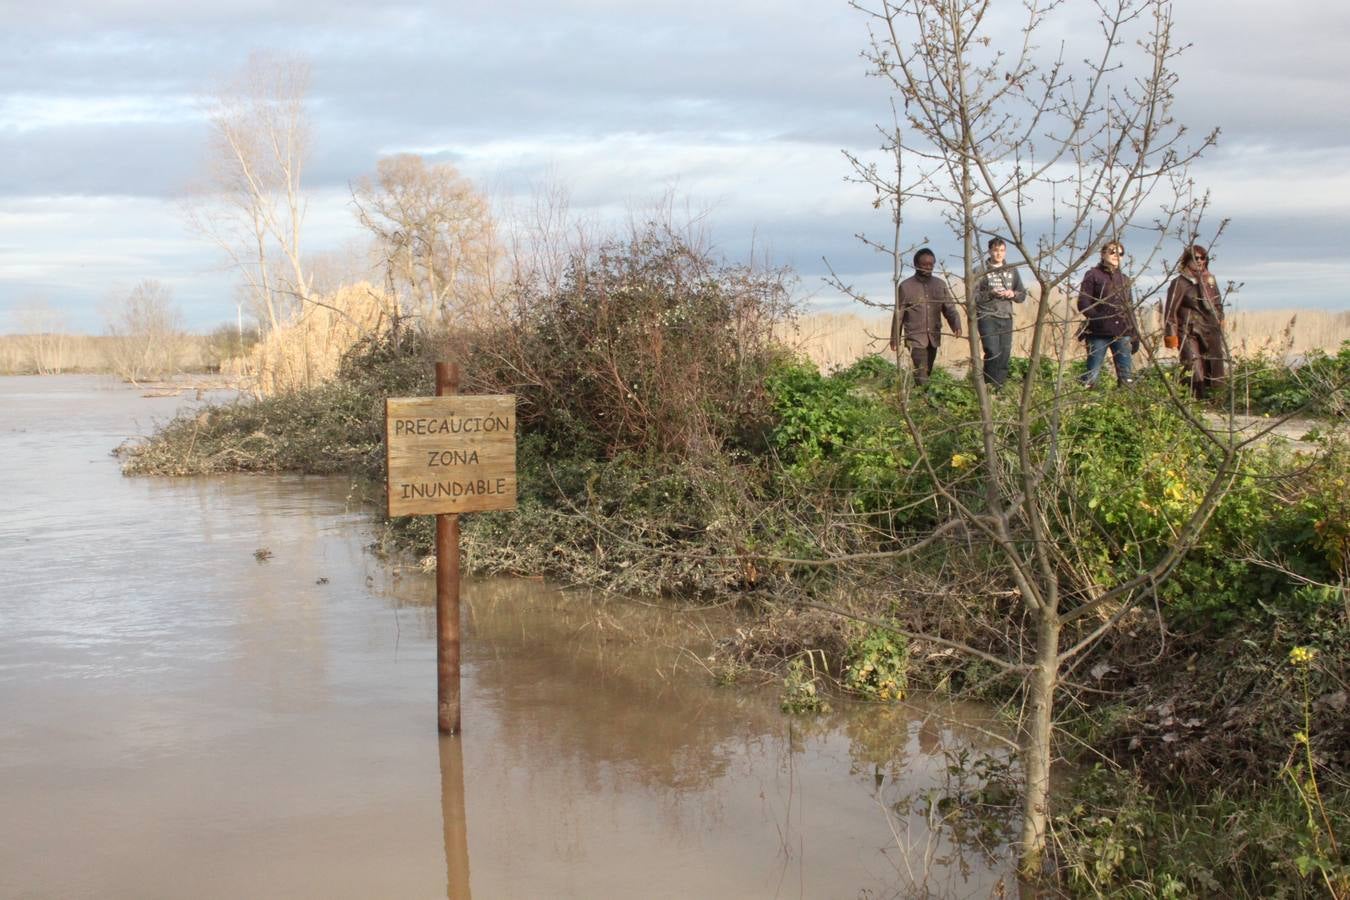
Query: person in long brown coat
pixel 1193 321
pixel 922 301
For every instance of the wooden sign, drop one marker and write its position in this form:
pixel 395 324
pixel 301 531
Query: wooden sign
pixel 450 454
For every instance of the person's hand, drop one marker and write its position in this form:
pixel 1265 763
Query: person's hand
pixel 956 332
pixel 893 345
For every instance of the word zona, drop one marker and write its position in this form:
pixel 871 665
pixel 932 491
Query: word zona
pixel 452 458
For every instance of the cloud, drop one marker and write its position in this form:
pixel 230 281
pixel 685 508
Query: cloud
pixel 741 105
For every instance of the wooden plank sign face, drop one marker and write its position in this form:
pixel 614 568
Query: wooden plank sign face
pixel 450 454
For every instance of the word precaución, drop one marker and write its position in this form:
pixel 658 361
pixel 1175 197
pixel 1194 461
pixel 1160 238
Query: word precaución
pixel 455 425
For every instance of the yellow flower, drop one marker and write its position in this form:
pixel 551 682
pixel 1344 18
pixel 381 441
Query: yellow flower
pixel 962 460
pixel 1302 656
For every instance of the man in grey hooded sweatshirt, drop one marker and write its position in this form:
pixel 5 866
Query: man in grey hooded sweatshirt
pixel 996 290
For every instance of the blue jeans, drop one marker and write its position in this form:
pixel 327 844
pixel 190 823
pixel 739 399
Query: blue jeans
pixel 1120 355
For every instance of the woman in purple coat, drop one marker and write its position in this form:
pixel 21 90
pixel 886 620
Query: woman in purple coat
pixel 1107 305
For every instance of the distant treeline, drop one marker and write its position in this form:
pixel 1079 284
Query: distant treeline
pixel 132 357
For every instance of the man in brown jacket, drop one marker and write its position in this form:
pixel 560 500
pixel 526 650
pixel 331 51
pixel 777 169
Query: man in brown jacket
pixel 921 303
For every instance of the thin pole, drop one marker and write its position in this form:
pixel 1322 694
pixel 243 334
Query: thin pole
pixel 447 591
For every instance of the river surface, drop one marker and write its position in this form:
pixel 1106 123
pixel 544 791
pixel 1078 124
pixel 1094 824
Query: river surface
pixel 183 719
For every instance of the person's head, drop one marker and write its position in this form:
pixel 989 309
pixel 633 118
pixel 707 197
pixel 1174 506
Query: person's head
pixel 998 250
pixel 924 261
pixel 1194 259
pixel 1112 252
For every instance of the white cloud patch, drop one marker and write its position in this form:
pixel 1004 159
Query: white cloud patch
pixel 34 112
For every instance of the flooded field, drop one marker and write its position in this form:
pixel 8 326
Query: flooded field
pixel 211 689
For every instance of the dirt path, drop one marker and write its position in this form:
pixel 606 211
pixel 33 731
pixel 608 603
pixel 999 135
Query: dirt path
pixel 1292 430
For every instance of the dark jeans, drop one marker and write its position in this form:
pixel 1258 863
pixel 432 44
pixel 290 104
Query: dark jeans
pixel 996 338
pixel 923 359
pixel 1120 355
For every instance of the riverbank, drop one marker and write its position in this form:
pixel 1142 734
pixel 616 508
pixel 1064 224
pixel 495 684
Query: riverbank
pixel 1191 701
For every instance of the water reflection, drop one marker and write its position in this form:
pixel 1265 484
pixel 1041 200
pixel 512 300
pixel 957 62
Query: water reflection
pixel 592 718
pixel 454 822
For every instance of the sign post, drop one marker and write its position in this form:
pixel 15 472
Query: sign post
pixel 446 455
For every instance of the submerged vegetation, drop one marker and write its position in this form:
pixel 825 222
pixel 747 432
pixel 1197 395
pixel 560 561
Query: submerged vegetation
pixel 669 445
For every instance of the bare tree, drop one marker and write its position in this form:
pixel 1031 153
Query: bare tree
pixel 250 201
pixel 147 334
pixel 544 234
pixel 44 336
pixel 435 235
pixel 1058 153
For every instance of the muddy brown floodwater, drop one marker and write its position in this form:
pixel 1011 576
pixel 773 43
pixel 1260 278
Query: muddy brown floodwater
pixel 181 719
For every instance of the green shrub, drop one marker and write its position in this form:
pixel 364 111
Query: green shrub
pixel 1318 385
pixel 1136 470
pixel 801 688
pixel 877 666
pixel 1116 839
pixel 843 433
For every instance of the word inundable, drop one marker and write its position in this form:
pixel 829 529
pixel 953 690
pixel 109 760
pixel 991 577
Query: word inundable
pixel 478 487
pixel 453 425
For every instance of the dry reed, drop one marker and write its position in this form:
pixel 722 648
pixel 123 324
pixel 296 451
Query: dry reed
pixel 306 352
pixel 57 353
pixel 831 340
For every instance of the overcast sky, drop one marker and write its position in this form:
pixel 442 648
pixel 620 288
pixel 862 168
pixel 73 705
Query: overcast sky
pixel 739 106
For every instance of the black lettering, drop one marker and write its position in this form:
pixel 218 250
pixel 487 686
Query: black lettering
pixel 452 458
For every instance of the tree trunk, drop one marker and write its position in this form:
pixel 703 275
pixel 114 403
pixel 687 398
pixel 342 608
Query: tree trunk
pixel 1036 752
